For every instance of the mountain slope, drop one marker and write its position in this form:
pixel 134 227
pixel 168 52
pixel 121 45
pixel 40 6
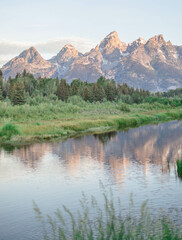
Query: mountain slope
pixel 154 64
pixel 30 60
pixel 64 59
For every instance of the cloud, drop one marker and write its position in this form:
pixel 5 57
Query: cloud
pixel 10 49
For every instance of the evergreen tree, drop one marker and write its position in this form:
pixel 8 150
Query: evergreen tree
pixel 111 92
pixel 98 92
pixel 1 94
pixel 102 81
pixel 63 90
pixel 24 73
pixel 1 79
pixel 11 90
pixel 18 97
pixel 86 94
pixel 18 75
pixel 57 81
pixel 1 85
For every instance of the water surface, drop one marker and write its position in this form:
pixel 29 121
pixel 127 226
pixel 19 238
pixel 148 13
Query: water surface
pixel 139 161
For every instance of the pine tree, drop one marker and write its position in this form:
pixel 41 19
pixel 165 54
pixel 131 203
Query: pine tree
pixel 63 90
pixel 74 90
pixel 11 91
pixel 18 97
pixel 111 92
pixel 1 85
pixel 57 81
pixel 1 94
pixel 98 92
pixel 86 94
pixel 24 73
pixel 1 79
pixel 18 75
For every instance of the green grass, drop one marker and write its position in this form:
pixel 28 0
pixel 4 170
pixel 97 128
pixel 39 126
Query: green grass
pixel 56 119
pixel 107 222
pixel 179 167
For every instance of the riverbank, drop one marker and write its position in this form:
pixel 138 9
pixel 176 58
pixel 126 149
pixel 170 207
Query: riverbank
pixel 55 122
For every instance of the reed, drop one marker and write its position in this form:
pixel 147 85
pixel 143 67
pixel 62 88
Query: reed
pixel 179 167
pixel 93 222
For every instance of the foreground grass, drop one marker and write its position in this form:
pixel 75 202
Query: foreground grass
pixel 179 167
pixel 109 222
pixel 57 119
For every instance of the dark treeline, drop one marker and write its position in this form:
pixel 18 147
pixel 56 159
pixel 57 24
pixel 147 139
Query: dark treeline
pixel 24 88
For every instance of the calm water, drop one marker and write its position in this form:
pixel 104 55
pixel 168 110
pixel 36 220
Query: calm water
pixel 139 161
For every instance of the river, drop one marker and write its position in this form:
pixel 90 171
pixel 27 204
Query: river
pixel 140 161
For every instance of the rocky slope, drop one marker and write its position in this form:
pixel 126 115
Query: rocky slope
pixel 30 60
pixel 155 64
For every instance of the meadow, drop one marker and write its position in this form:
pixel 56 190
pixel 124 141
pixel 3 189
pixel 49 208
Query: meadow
pixel 52 119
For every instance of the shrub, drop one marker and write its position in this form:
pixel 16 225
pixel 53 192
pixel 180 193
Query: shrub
pixel 8 131
pixel 126 99
pixel 124 107
pixel 76 100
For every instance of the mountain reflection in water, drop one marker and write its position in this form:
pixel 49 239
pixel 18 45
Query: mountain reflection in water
pixel 140 160
pixel 154 144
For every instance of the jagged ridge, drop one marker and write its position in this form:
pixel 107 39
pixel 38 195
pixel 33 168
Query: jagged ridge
pixel 154 64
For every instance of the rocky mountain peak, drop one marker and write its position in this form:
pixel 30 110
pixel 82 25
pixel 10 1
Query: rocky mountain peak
pixel 30 60
pixel 67 53
pixel 154 65
pixel 112 35
pixel 111 42
pixel 157 39
pixel 31 55
pixel 160 38
pixel 138 42
pixel 68 47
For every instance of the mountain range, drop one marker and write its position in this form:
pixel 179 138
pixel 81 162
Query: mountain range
pixel 154 65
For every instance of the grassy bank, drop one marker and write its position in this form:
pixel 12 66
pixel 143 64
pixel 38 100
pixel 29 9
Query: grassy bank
pixel 57 119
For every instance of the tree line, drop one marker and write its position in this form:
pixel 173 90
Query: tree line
pixel 24 85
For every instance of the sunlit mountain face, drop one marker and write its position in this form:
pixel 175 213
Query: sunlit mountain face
pixel 155 65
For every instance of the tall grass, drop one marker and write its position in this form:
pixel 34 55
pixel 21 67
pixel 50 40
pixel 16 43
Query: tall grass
pixel 93 222
pixel 179 167
pixel 56 118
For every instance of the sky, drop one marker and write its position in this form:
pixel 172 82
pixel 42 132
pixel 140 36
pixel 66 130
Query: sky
pixel 50 24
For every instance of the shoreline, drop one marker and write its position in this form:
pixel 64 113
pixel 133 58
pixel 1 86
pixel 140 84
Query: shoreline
pixel 80 128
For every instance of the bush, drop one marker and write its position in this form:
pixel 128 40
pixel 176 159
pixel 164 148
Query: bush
pixel 126 99
pixel 124 107
pixel 76 100
pixel 8 131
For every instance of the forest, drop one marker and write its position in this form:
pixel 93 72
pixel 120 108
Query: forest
pixel 24 88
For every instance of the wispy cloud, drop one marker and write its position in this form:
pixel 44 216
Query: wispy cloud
pixel 10 49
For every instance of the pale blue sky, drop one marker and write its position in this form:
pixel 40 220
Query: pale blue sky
pixel 27 22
